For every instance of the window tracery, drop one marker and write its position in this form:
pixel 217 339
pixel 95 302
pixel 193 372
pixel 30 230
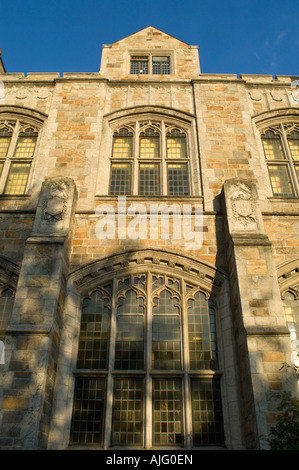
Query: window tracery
pixel 281 148
pixel 148 338
pixel 150 157
pixel 18 141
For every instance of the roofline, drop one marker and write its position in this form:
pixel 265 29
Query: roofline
pixel 125 37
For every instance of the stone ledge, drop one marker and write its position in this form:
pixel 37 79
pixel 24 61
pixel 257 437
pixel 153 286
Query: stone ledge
pixel 40 239
pixel 246 239
pixel 267 331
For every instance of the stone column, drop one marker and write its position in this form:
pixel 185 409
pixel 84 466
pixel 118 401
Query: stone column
pixel 263 343
pixel 33 335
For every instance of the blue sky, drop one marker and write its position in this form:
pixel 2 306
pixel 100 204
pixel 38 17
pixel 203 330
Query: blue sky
pixel 234 36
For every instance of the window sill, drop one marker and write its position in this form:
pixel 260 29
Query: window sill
pixel 283 199
pixel 15 196
pixel 136 197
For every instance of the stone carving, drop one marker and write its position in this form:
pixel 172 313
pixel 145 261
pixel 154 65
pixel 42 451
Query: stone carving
pixel 255 95
pixel 276 96
pixel 55 205
pixel 242 204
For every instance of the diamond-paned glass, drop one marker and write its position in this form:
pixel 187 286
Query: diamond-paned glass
pixel 178 179
pixel 161 65
pixel 293 140
pixel 129 346
pixel 127 427
pixel 88 411
pixel 6 306
pixel 120 180
pixel 206 412
pixel 272 146
pixel 201 333
pixel 176 144
pixel 94 333
pixel 280 180
pixel 167 412
pixel 122 144
pixel 139 65
pixel 149 179
pixel 166 333
pixel 17 178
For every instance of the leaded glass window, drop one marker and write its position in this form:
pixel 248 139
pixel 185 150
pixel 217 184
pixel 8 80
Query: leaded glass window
pixel 6 306
pixel 144 64
pixel 139 65
pixel 120 180
pixel 291 311
pixel 122 144
pixel 161 65
pixel 150 158
pixel 129 346
pixel 88 411
pixel 17 148
pixel 149 144
pixel 281 148
pixel 147 346
pixel 127 411
pixel 149 179
pixel 166 350
pixel 93 343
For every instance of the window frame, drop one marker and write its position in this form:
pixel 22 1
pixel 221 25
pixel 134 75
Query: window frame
pixel 282 128
pixel 162 125
pixel 19 123
pixel 147 374
pixel 148 56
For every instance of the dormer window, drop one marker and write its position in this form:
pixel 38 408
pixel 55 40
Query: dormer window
pixel 139 65
pixel 150 64
pixel 161 65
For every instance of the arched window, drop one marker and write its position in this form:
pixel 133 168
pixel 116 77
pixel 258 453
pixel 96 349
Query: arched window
pixel 150 158
pixel 291 310
pixel 6 306
pixel 18 141
pixel 281 148
pixel 147 372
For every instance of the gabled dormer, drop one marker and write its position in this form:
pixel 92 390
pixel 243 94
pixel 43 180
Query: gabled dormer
pixel 150 55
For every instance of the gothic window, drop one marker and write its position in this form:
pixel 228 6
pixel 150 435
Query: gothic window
pixel 6 306
pixel 150 158
pixel 147 370
pixel 291 310
pixel 18 141
pixel 281 148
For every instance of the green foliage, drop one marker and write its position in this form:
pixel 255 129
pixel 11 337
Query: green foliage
pixel 285 434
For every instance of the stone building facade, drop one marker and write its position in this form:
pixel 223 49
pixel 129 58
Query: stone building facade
pixel 149 268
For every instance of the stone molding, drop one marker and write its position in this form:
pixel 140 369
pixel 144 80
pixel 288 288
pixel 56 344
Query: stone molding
pixel 209 277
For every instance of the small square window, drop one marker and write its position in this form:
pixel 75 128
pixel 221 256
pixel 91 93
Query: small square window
pixel 139 65
pixel 161 65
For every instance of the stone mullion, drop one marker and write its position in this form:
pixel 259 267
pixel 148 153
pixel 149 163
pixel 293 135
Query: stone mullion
pixel 186 368
pixel 109 384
